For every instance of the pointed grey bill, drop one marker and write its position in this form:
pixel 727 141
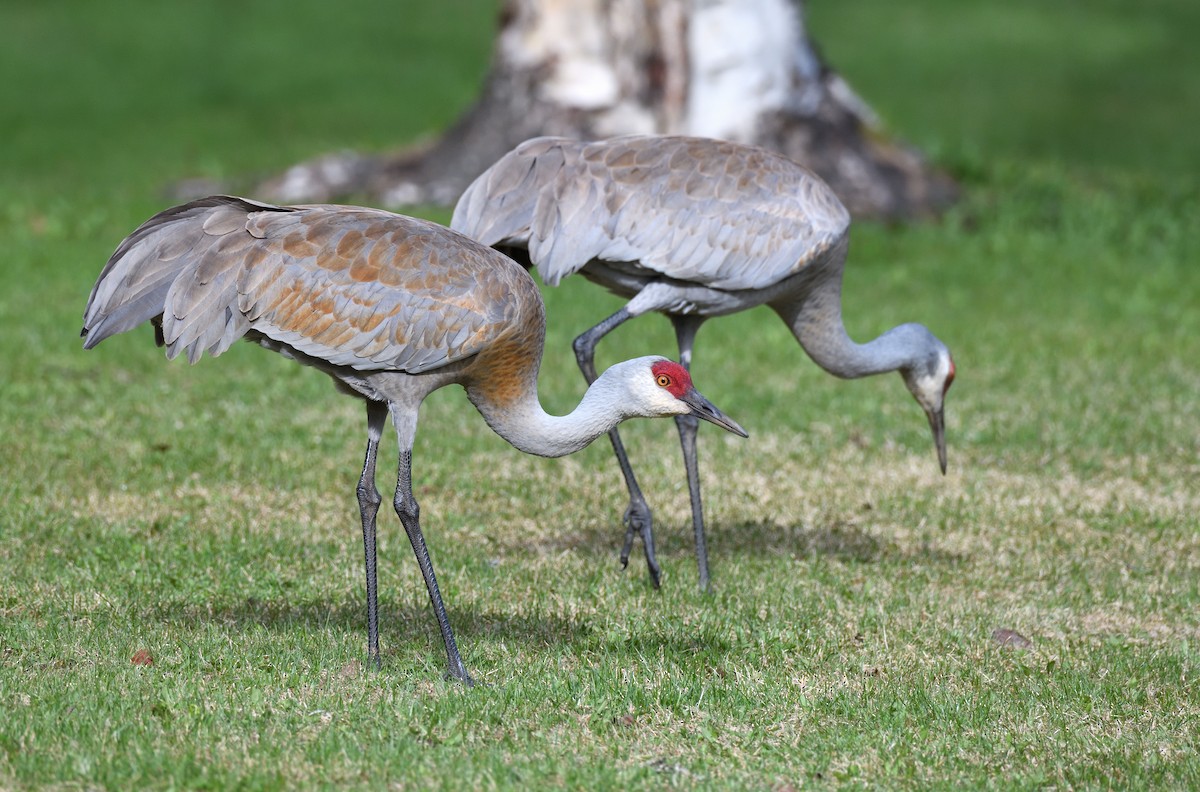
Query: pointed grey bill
pixel 703 408
pixel 937 422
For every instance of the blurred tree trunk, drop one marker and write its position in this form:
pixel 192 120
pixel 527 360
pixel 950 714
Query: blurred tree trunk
pixel 743 70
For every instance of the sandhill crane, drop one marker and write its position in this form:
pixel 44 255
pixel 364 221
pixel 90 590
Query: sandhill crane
pixel 692 228
pixel 392 308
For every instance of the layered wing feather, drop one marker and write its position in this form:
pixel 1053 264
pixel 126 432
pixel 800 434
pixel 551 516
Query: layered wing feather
pixel 712 212
pixel 351 286
pixel 499 206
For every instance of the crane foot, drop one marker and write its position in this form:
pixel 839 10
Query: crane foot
pixel 459 675
pixel 638 521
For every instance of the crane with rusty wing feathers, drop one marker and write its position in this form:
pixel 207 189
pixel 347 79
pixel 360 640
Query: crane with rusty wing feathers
pixel 392 308
pixel 692 228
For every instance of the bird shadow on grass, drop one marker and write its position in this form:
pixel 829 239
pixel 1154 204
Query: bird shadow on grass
pixel 404 625
pixel 836 538
pixel 410 621
pixel 408 629
pixel 399 622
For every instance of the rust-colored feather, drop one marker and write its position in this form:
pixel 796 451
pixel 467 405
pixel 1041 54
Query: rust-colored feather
pixel 350 286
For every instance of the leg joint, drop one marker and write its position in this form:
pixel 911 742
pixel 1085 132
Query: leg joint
pixel 582 345
pixel 406 506
pixel 368 495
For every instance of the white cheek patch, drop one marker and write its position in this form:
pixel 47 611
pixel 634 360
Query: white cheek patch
pixel 931 389
pixel 644 390
pixel 670 404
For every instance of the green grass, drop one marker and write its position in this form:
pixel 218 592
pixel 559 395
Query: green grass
pixel 206 514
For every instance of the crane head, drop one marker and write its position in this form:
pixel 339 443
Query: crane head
pixel 674 379
pixel 928 379
pixel 655 386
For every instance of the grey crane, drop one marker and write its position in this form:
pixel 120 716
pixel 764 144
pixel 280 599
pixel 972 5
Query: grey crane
pixel 392 308
pixel 692 228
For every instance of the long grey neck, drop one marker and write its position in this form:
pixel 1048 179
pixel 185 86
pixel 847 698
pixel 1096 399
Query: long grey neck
pixel 816 320
pixel 529 428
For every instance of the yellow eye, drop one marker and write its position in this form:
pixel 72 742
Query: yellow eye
pixel 663 381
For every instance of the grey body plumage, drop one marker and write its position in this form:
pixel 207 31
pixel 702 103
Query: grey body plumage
pixel 692 228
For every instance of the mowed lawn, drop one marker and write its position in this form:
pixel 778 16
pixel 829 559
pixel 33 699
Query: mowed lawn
pixel 181 596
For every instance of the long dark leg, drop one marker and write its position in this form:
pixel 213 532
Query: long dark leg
pixel 685 334
pixel 637 516
pixel 409 512
pixel 368 506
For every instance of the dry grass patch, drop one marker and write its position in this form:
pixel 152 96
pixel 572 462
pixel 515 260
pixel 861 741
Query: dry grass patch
pixel 220 506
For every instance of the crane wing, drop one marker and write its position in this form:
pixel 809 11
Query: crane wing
pixel 498 208
pixel 374 290
pixel 182 245
pixel 352 286
pixel 707 211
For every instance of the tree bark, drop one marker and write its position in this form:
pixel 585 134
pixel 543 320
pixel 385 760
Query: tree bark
pixel 743 70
